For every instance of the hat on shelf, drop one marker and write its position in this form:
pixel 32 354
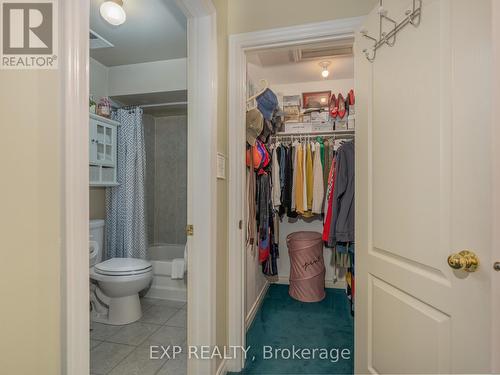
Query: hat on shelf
pixel 267 103
pixel 255 124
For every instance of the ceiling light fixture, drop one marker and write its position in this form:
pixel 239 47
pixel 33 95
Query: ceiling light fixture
pixel 112 11
pixel 325 64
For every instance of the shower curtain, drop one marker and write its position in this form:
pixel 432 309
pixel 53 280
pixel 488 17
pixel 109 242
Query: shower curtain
pixel 126 228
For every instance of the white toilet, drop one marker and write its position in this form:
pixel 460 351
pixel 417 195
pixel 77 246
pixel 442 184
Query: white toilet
pixel 114 295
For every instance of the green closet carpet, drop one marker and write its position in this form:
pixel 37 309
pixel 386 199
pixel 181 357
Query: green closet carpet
pixel 282 322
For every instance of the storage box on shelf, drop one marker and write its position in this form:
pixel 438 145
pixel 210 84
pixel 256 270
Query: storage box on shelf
pixel 102 151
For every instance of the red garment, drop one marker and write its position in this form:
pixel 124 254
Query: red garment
pixel 264 252
pixel 328 216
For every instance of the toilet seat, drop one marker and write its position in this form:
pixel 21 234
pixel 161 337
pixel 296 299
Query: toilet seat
pixel 123 267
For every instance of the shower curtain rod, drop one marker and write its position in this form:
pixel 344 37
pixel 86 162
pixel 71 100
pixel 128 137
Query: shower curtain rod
pixel 163 104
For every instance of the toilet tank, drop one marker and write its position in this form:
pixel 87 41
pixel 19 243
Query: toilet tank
pixel 96 241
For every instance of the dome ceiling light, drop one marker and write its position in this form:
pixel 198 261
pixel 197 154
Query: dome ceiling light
pixel 112 11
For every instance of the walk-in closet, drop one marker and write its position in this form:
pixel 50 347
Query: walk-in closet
pixel 300 156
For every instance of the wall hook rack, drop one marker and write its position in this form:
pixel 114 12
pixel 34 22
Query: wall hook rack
pixel 412 17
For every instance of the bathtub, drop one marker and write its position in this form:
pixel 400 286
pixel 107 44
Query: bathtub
pixel 163 287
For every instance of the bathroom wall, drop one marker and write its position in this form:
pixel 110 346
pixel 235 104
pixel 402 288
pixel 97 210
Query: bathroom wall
pixel 98 87
pixel 166 178
pixel 99 79
pixel 148 122
pixel 155 76
pixel 97 203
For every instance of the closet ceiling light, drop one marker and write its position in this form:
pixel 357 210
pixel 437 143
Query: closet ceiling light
pixel 325 64
pixel 113 12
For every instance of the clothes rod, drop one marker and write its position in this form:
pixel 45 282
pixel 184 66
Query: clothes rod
pixel 311 137
pixel 308 134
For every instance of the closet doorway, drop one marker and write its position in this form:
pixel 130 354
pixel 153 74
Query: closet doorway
pixel 422 304
pixel 291 63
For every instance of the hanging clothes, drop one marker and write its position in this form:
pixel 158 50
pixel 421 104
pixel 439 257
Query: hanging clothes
pixel 309 179
pixel 342 223
pixel 276 190
pixel 288 181
pixel 318 187
pixel 327 162
pixel 294 174
pixel 299 181
pixel 304 178
pixel 329 202
pixel 251 211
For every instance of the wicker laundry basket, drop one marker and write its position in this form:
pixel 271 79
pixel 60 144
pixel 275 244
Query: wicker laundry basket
pixel 307 267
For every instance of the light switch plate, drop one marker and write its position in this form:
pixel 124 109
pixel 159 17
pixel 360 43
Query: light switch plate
pixel 221 166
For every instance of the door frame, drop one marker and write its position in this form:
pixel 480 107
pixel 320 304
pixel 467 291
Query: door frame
pixel 495 172
pixel 239 44
pixel 202 136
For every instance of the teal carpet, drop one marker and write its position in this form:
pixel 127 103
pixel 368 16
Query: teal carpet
pixel 283 322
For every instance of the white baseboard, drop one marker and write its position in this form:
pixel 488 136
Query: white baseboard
pixel 222 369
pixel 253 311
pixel 328 283
pixel 173 294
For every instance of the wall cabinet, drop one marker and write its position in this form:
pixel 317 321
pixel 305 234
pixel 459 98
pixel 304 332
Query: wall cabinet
pixel 102 151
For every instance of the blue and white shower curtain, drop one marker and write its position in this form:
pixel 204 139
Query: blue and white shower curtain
pixel 126 228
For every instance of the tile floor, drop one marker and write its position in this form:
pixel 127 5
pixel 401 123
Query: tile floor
pixel 124 350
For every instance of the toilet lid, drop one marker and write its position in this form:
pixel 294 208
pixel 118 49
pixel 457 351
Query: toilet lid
pixel 123 266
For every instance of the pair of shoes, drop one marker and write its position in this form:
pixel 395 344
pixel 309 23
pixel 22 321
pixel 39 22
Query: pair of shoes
pixel 340 106
pixel 337 106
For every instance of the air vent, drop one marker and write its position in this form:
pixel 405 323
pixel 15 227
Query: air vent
pixel 319 53
pixel 97 41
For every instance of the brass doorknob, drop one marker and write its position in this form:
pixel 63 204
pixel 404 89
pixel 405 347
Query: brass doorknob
pixel 465 260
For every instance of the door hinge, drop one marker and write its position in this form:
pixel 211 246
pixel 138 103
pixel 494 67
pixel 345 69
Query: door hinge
pixel 240 224
pixel 189 230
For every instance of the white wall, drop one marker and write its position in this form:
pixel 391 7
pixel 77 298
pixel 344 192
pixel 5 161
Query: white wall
pixel 255 280
pixel 98 79
pixel 157 76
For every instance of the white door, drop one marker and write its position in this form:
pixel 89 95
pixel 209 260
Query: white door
pixel 423 192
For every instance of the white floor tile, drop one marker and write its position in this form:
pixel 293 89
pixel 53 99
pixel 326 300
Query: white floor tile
pixel 158 314
pixel 103 331
pixel 177 366
pixel 138 363
pixel 106 356
pixel 167 336
pixel 165 302
pixel 94 343
pixel 134 333
pixel 178 320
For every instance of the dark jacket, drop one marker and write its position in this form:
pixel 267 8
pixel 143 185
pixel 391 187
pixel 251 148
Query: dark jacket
pixel 342 224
